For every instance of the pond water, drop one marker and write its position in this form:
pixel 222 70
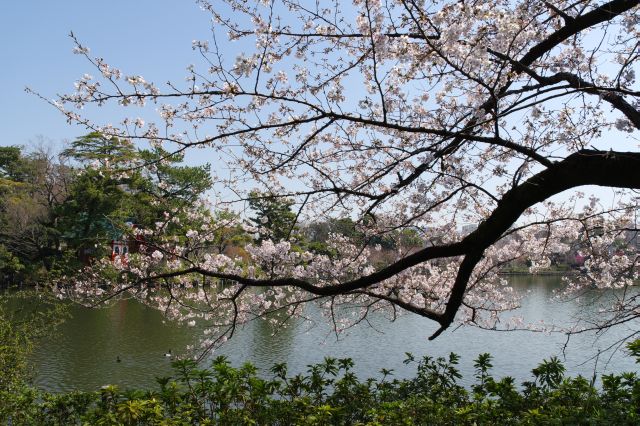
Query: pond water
pixel 83 353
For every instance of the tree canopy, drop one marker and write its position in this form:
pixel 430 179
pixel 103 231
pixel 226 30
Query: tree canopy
pixel 120 183
pixel 31 185
pixel 59 212
pixel 405 115
pixel 273 217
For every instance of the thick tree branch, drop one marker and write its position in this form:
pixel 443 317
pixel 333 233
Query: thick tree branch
pixel 601 14
pixel 612 96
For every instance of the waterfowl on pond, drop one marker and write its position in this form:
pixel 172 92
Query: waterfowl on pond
pixel 118 358
pixel 168 354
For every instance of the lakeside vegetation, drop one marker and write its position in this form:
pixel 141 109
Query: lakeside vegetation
pixel 329 393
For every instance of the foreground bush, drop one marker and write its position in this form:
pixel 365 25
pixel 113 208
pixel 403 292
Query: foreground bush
pixel 331 394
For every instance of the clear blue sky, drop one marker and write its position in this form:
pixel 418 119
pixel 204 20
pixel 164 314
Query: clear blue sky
pixel 144 37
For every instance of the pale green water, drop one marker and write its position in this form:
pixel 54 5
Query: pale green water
pixel 82 355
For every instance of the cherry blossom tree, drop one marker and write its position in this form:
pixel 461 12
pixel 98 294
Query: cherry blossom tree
pixel 400 114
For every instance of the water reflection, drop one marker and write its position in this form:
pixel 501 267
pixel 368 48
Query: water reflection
pixel 83 354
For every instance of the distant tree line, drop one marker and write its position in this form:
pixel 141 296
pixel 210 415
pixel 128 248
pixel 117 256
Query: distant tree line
pixel 60 211
pixel 276 219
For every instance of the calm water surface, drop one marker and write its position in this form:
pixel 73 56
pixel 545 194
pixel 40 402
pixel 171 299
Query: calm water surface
pixel 83 352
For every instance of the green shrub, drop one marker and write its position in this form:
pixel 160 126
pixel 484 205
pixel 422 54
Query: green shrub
pixel 330 394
